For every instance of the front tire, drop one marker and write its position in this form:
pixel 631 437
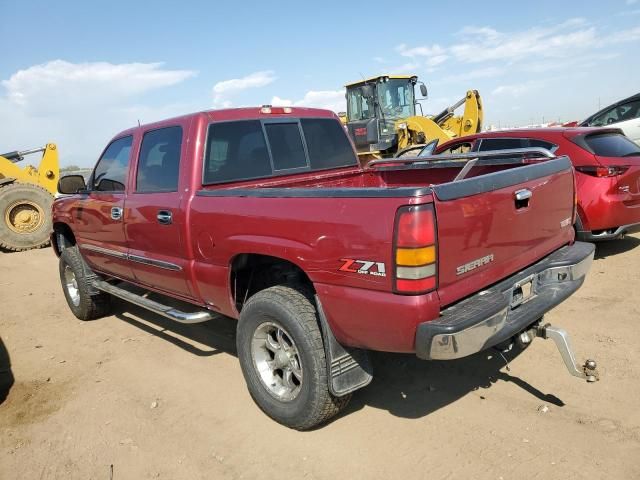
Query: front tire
pixel 25 217
pixel 83 299
pixel 283 361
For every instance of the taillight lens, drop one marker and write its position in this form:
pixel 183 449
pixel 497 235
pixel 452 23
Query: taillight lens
pixel 610 171
pixel 415 250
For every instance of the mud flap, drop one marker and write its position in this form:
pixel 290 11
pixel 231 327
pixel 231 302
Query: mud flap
pixel 349 368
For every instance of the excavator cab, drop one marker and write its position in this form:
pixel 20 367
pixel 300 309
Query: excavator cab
pixel 383 122
pixel 373 108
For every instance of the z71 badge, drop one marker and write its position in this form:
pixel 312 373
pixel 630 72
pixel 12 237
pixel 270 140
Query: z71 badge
pixel 363 267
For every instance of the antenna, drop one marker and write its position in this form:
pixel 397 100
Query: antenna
pixel 138 122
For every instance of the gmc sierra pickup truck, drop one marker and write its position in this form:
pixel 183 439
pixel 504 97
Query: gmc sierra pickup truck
pixel 264 215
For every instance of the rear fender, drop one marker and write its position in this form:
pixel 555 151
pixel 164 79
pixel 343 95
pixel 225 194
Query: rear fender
pixel 297 253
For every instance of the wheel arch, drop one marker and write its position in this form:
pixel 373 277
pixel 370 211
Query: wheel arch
pixel 62 237
pixel 250 273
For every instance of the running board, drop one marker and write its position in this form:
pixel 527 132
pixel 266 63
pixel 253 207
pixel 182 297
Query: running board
pixel 155 307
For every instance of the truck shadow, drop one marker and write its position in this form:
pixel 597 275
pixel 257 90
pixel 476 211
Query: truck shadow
pixel 408 387
pixel 403 385
pixel 615 247
pixel 6 375
pixel 202 339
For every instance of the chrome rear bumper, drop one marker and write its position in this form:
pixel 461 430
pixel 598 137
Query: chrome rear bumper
pixel 500 312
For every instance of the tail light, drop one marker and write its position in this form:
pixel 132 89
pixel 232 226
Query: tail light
pixel 415 250
pixel 600 172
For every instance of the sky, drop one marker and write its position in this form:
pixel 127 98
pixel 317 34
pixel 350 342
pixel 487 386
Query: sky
pixel 76 72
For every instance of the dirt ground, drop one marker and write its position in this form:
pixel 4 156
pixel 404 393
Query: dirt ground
pixel 134 396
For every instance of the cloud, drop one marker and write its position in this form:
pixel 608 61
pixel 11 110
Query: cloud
pixel 80 106
pixel 59 84
pixel 433 56
pixel 623 36
pixel 517 90
pixel 477 44
pixel 477 73
pixel 436 60
pixel 224 90
pixel 409 67
pixel 330 99
pixel 423 51
pixel 482 45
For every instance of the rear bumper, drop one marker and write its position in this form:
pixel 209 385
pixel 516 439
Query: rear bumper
pixel 499 313
pixel 610 234
pixel 608 205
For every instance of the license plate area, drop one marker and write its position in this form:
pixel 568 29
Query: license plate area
pixel 522 291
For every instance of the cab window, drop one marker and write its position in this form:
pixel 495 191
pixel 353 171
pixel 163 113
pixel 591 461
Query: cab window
pixel 110 174
pixel 487 144
pixel 236 151
pixel 159 160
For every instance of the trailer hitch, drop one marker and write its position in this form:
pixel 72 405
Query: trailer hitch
pixel 586 371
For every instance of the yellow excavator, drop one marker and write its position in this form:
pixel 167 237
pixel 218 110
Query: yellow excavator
pixel 381 116
pixel 26 195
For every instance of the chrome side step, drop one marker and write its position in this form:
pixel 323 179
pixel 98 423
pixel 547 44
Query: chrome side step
pixel 160 309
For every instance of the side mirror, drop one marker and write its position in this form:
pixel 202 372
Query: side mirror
pixel 71 184
pixel 423 90
pixel 428 148
pixel 367 91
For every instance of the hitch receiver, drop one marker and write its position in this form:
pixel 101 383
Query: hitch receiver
pixel 586 371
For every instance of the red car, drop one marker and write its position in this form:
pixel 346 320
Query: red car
pixel 607 167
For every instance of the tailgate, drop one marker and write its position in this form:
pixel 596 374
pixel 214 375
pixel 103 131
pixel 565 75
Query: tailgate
pixel 485 233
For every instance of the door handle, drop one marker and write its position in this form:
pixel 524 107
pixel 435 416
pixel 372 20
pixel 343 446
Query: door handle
pixel 116 213
pixel 522 198
pixel 165 217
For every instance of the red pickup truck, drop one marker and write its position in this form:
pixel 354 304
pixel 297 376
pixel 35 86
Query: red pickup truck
pixel 264 215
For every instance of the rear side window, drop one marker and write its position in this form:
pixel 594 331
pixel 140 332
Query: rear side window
pixel 612 145
pixel 236 151
pixel 159 160
pixel 513 143
pixel 327 144
pixel 286 146
pixel 500 144
pixel 247 149
pixel 110 174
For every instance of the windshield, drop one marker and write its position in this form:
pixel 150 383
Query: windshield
pixel 396 98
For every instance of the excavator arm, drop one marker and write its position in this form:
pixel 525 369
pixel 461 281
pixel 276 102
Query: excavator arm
pixel 444 126
pixel 46 174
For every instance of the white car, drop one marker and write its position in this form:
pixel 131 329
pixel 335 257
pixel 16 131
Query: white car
pixel 624 114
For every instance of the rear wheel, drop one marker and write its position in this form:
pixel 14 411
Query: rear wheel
pixel 83 299
pixel 25 217
pixel 282 358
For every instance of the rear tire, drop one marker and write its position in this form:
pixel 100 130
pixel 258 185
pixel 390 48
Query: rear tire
pixel 283 361
pixel 25 217
pixel 86 302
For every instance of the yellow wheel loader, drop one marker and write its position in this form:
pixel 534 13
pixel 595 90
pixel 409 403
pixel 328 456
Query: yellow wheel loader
pixel 382 119
pixel 26 195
